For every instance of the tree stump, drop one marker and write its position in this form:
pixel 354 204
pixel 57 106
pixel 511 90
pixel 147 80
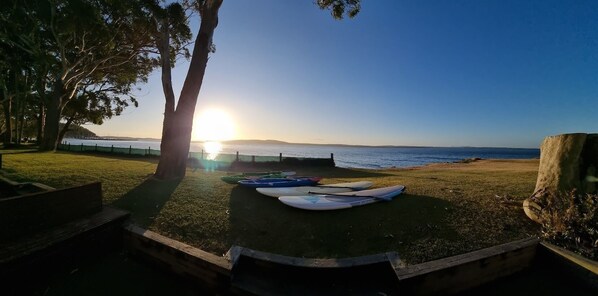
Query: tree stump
pixel 567 162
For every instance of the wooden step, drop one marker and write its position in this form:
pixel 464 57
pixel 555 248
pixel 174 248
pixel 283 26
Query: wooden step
pixel 63 245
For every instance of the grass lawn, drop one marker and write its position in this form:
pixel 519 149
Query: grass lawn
pixel 448 208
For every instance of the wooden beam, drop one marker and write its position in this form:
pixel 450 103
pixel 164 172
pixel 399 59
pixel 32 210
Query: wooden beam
pixel 25 214
pixel 458 273
pixel 177 257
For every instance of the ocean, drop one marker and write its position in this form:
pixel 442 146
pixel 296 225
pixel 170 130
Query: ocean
pixel 346 156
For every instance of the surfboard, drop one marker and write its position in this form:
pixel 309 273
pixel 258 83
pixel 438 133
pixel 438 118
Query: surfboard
pixel 234 179
pixel 342 200
pixel 322 189
pixel 281 182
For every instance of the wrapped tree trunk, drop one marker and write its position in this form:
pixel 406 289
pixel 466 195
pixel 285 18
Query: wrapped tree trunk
pixel 567 162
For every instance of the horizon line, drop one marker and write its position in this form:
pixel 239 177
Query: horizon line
pixel 107 138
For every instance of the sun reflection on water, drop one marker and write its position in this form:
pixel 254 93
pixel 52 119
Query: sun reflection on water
pixel 212 148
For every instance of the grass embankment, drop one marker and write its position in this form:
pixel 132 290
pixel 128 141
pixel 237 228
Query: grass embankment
pixel 448 209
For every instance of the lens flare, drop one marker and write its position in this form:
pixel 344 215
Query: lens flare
pixel 212 149
pixel 213 125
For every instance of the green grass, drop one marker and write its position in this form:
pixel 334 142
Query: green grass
pixel 448 209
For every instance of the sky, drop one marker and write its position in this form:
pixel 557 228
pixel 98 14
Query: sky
pixel 424 73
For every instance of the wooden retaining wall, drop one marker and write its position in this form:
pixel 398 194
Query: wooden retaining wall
pixel 53 232
pixel 250 272
pixel 208 269
pixel 458 273
pixel 25 214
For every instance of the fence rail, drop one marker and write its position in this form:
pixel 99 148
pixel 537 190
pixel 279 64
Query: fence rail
pixel 222 159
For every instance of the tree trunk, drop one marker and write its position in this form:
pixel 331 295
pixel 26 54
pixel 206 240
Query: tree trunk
pixel 567 162
pixel 65 129
pixel 6 104
pixel 19 119
pixel 178 125
pixel 49 141
pixel 41 122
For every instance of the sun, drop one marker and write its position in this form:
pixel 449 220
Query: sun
pixel 213 125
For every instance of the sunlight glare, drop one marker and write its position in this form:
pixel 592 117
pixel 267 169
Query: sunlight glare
pixel 212 149
pixel 213 125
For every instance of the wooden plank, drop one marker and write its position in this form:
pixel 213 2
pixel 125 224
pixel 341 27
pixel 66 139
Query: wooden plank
pixel 177 257
pixel 583 262
pixel 60 250
pixel 390 257
pixel 26 214
pixel 262 273
pixel 458 273
pixel 583 270
pixel 25 245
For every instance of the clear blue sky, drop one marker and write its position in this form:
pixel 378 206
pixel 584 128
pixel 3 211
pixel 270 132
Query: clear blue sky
pixel 438 73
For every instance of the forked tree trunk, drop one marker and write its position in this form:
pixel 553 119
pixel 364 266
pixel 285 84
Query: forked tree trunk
pixel 567 162
pixel 178 124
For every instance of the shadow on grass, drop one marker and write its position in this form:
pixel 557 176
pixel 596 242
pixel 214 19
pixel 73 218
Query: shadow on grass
pixel 263 223
pixel 146 200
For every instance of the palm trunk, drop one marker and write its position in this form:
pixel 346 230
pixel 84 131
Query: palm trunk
pixel 178 125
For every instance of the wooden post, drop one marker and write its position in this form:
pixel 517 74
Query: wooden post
pixel 280 157
pixel 112 149
pixel 149 150
pixel 129 149
pixel 96 147
pixel 201 154
pixel 237 155
pixel 332 156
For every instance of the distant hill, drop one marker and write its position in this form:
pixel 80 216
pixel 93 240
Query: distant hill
pixel 77 131
pixel 271 142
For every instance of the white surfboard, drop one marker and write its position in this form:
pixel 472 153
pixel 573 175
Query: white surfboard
pixel 342 200
pixel 322 189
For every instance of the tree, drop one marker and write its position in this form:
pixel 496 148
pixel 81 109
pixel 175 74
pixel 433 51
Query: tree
pixel 178 121
pixel 75 44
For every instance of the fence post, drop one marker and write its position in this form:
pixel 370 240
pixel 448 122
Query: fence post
pixel 112 149
pixel 96 147
pixel 332 156
pixel 201 154
pixel 280 157
pixel 129 149
pixel 149 151
pixel 237 155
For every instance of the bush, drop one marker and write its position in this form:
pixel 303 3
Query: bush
pixel 571 221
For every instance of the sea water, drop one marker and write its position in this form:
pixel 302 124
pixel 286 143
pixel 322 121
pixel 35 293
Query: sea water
pixel 346 156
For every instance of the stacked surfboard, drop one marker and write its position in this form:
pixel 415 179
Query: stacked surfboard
pixel 333 196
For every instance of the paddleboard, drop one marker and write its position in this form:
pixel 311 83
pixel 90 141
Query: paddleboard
pixel 280 182
pixel 234 179
pixel 322 189
pixel 342 200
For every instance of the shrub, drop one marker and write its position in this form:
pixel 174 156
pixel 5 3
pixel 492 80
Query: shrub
pixel 571 221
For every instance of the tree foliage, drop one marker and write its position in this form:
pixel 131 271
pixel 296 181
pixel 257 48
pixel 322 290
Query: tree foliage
pixel 84 56
pixel 340 8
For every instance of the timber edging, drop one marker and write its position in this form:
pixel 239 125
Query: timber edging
pixel 245 271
